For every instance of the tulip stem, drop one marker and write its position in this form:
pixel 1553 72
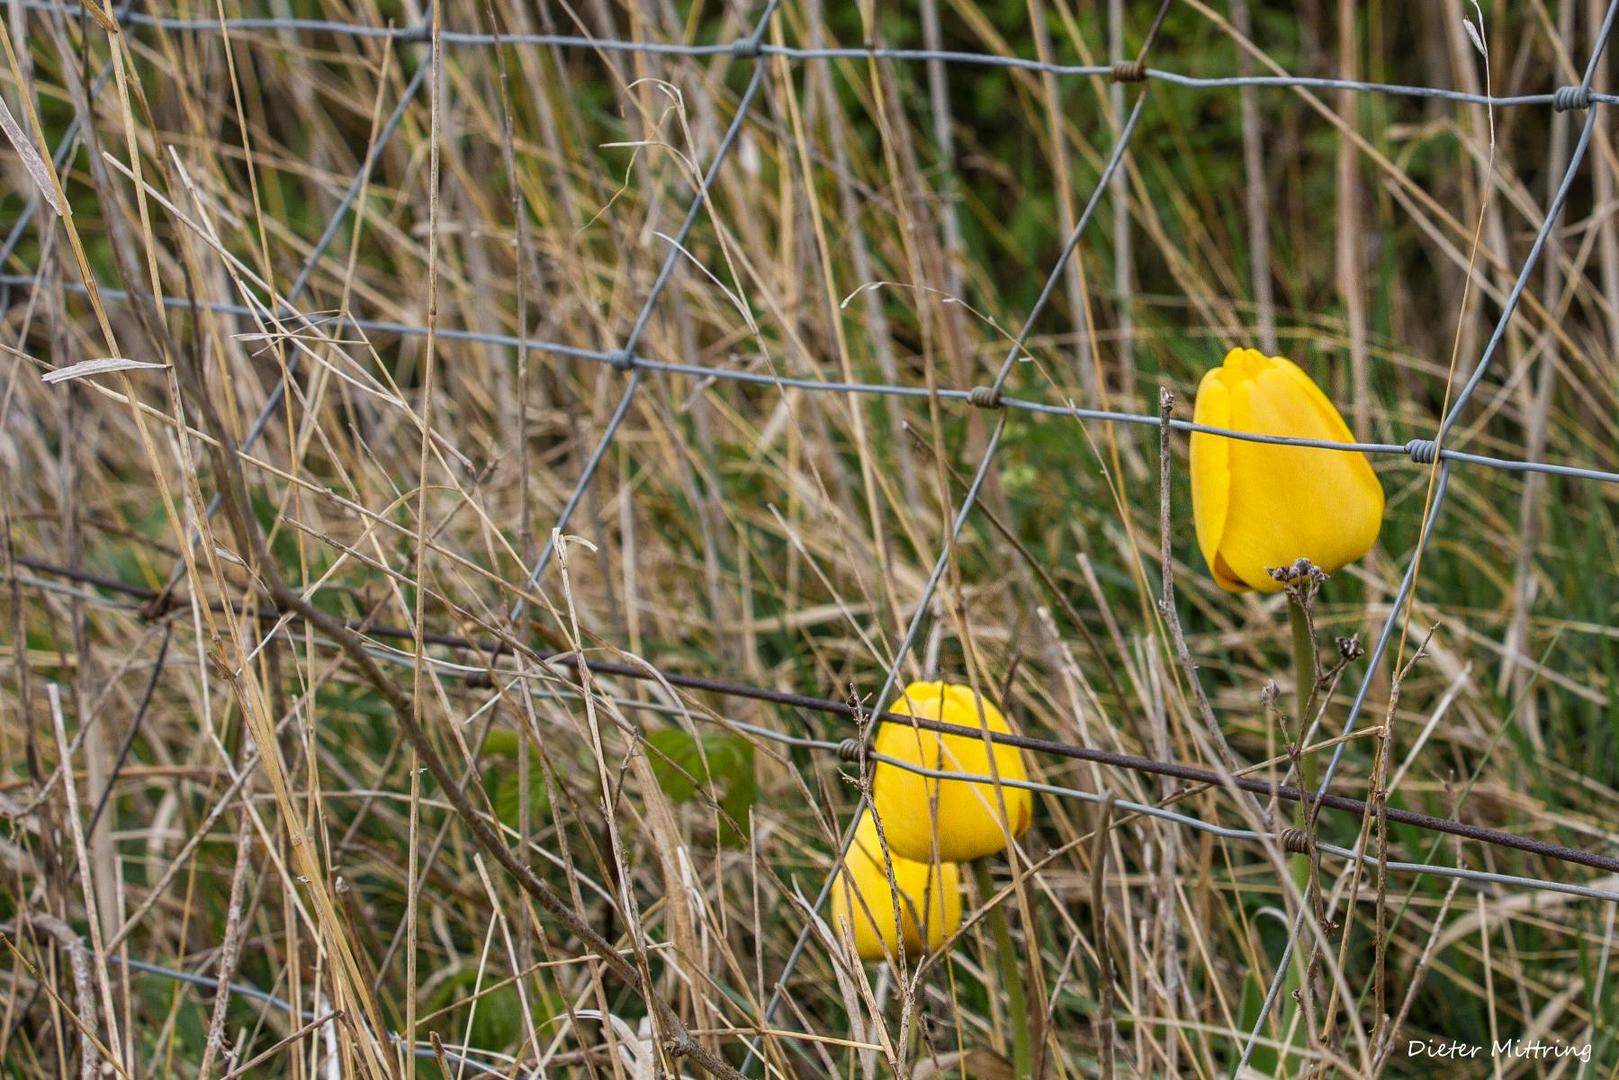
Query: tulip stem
pixel 1011 974
pixel 1305 679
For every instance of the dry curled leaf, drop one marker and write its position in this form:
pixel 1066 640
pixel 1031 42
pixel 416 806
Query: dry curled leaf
pixel 31 160
pixel 97 367
pixel 1473 32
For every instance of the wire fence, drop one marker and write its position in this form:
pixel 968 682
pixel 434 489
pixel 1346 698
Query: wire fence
pixel 282 317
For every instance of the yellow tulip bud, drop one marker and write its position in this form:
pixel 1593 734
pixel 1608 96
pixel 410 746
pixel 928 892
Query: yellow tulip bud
pixel 967 817
pixel 863 902
pixel 1258 505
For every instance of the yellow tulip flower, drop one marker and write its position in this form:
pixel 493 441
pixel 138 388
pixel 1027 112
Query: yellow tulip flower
pixel 863 902
pixel 1258 505
pixel 967 817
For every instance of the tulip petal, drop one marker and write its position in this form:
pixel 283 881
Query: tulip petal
pixel 1211 475
pixel 1225 577
pixel 1326 412
pixel 956 820
pixel 864 898
pixel 1289 502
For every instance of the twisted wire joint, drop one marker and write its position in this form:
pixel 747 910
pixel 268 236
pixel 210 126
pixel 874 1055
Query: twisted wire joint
pixel 1130 71
pixel 747 48
pixel 1565 98
pixel 852 749
pixel 1297 841
pixel 985 397
pixel 1422 451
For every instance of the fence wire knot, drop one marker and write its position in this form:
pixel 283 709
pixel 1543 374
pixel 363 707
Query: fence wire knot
pixel 747 48
pixel 1565 98
pixel 1297 841
pixel 985 397
pixel 1130 71
pixel 1423 451
pixel 623 359
pixel 852 749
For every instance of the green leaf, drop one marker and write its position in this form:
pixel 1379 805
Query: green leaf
pixel 501 742
pixel 505 793
pixel 677 763
pixel 497 1022
pixel 718 763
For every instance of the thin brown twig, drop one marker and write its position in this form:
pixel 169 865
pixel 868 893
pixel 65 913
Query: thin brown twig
pixel 1104 947
pixel 228 949
pixel 1166 604
pixel 1391 1028
pixel 281 1044
pixel 1380 810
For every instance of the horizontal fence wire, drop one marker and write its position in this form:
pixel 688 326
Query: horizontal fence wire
pixel 747 47
pixel 1420 451
pixel 556 665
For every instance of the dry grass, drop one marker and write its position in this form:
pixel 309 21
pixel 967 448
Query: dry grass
pixel 268 823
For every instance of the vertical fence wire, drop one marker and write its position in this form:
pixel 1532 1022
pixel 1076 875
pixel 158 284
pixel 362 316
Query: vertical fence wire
pixel 750 48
